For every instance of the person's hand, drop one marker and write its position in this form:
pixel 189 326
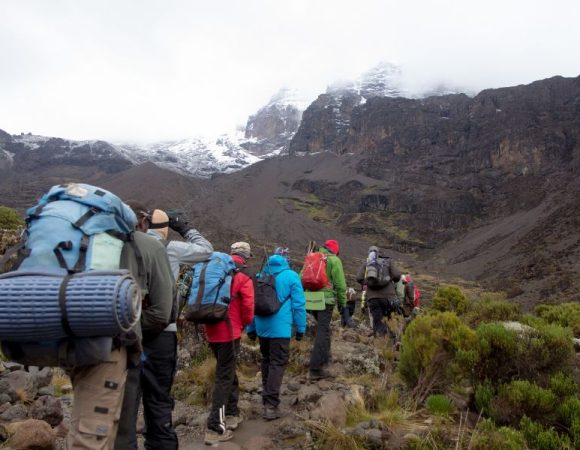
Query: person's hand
pixel 179 224
pixel 299 336
pixel 252 335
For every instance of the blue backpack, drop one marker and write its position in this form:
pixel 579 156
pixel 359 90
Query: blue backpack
pixel 66 282
pixel 210 294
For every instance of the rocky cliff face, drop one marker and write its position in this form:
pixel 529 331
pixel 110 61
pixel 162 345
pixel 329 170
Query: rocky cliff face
pixel 270 130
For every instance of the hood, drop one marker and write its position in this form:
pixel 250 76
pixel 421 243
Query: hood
pixel 155 234
pixel 239 260
pixel 276 264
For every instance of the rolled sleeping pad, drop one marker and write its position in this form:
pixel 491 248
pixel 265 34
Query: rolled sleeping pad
pixel 98 303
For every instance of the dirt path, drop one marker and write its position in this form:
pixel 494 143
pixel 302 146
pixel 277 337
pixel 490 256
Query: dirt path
pixel 246 431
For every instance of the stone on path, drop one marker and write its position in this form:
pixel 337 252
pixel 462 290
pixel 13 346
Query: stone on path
pixel 31 434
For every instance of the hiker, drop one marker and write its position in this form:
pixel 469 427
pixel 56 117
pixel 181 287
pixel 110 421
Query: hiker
pixel 275 331
pixel 351 297
pixel 153 377
pixel 320 304
pixel 347 312
pixel 410 299
pixel 379 274
pixel 224 341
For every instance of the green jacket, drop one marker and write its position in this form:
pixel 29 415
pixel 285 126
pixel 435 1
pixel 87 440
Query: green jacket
pixel 335 274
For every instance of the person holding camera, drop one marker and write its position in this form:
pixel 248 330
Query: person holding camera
pixel 154 380
pixel 275 331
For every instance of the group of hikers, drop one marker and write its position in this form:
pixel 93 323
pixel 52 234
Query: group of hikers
pixel 225 298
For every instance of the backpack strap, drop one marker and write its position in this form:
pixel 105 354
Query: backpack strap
pixel 62 304
pixel 201 284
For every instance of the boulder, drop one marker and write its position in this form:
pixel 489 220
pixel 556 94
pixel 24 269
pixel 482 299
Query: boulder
pixel 308 394
pixel 12 366
pixel 330 407
pixel 43 376
pixel 22 384
pixel 31 434
pixel 14 412
pixel 355 396
pixel 47 408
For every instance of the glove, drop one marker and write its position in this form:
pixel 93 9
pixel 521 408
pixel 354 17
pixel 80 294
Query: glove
pixel 299 336
pixel 179 224
pixel 252 335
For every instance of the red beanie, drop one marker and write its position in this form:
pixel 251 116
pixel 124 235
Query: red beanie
pixel 332 245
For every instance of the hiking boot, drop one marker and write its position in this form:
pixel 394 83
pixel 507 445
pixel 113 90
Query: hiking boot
pixel 232 422
pixel 271 413
pixel 213 437
pixel 320 375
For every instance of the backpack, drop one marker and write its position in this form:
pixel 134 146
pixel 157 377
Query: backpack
pixel 66 297
pixel 266 302
pixel 313 274
pixel 417 296
pixel 378 272
pixel 210 294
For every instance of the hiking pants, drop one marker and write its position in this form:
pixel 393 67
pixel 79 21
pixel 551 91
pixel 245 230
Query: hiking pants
pixel 380 307
pixel 127 432
pixel 98 396
pixel 320 356
pixel 275 354
pixel 351 305
pixel 226 388
pixel 156 381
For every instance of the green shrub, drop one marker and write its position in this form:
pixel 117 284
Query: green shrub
pixel 483 395
pixel 439 405
pixel 431 351
pixel 540 438
pixel 522 398
pixel 565 314
pixel 502 354
pixel 488 437
pixel 10 219
pixel 563 385
pixel 569 416
pixel 450 298
pixel 491 309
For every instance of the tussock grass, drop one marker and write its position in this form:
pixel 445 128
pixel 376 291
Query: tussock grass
pixel 195 385
pixel 59 379
pixel 329 437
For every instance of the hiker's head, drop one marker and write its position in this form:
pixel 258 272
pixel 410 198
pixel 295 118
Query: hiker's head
pixel 143 215
pixel 406 279
pixel 374 248
pixel 282 251
pixel 333 246
pixel 242 249
pixel 160 222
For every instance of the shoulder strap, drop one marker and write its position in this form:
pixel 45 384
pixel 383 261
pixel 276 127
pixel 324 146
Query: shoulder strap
pixel 201 283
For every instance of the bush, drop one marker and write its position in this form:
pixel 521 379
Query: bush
pixel 488 437
pixel 563 385
pixel 538 437
pixel 569 416
pixel 10 219
pixel 450 298
pixel 432 347
pixel 565 315
pixel 483 395
pixel 502 354
pixel 439 405
pixel 522 398
pixel 491 309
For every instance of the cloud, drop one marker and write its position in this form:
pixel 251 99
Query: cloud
pixel 147 70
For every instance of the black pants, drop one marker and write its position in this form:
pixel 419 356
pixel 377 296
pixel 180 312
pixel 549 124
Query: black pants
pixel 275 353
pixel 152 382
pixel 320 356
pixel 379 308
pixel 351 307
pixel 226 387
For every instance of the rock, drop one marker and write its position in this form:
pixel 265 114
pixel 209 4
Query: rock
pixel 7 391
pixel 14 412
pixel 308 394
pixel 43 376
pixel 4 406
pixel 61 430
pixel 12 366
pixel 294 387
pixel 355 396
pixel 350 336
pixel 47 408
pixel 5 398
pixel 23 384
pixel 46 390
pixel 31 434
pixel 258 443
pixel 374 438
pixel 180 429
pixel 325 385
pixel 576 344
pixel 331 407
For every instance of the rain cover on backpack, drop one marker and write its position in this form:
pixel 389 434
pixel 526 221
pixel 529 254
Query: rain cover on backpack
pixel 313 274
pixel 210 296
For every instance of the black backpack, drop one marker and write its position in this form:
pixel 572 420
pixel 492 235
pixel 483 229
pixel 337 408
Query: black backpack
pixel 266 301
pixel 381 270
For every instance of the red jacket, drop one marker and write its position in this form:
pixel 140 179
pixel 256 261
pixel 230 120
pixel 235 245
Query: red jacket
pixel 241 309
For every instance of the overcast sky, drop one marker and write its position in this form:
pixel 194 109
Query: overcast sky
pixel 168 69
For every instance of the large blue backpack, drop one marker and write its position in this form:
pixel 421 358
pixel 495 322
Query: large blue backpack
pixel 210 294
pixel 66 282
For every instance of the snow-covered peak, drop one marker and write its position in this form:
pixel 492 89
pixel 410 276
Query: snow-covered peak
pixel 383 80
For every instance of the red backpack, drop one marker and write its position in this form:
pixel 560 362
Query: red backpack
pixel 313 274
pixel 417 296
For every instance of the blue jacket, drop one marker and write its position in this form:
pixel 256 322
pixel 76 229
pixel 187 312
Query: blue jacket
pixel 292 312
